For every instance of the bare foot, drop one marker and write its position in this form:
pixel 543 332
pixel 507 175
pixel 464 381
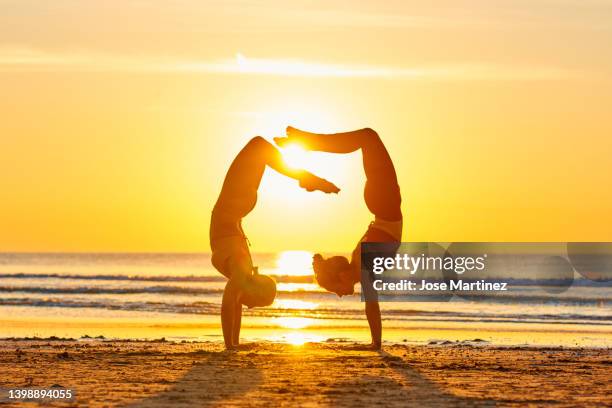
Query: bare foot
pixel 293 136
pixel 282 141
pixel 310 182
pixel 294 132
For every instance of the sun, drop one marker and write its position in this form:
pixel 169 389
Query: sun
pixel 295 156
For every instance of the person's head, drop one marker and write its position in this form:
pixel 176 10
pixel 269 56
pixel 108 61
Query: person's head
pixel 259 291
pixel 334 274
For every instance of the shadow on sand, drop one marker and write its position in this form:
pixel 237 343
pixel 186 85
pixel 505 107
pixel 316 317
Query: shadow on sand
pixel 399 385
pixel 315 375
pixel 201 387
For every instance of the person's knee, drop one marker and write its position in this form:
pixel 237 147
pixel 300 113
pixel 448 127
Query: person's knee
pixel 259 143
pixel 370 135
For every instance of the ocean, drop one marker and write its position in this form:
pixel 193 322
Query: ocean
pixel 177 297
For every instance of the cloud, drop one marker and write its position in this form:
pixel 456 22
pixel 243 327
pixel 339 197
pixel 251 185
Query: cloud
pixel 33 60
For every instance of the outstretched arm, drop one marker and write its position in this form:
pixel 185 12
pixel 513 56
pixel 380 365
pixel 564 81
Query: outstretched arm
pixel 229 305
pixel 370 295
pixel 237 324
pixel 372 310
pixel 239 268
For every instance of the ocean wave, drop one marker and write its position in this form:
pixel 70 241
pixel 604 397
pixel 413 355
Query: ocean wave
pixel 146 278
pixel 210 308
pixel 279 278
pixel 170 290
pixel 516 296
pixel 167 290
pixel 196 307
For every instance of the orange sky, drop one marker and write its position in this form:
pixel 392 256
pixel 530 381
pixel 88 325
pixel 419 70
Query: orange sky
pixel 119 119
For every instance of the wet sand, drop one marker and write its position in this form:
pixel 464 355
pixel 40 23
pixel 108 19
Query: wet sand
pixel 161 374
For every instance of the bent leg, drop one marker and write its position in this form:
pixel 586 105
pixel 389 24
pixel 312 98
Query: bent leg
pixel 248 167
pixel 259 149
pixel 346 142
pixel 375 156
pixel 381 194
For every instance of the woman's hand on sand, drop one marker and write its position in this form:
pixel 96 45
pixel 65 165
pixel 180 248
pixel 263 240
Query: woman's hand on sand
pixel 373 346
pixel 366 347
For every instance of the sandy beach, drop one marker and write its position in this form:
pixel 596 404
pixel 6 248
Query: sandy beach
pixel 334 373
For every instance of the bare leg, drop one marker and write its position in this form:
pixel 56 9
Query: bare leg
pixel 345 142
pixel 269 155
pixel 375 155
pixel 246 171
pixel 381 193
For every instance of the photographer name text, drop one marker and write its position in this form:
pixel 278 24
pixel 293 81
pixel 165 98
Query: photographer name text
pixel 453 285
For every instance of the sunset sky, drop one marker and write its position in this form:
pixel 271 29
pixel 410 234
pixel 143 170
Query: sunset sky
pixel 118 119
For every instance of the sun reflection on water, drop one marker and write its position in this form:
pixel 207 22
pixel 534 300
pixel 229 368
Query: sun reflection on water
pixel 293 263
pixel 295 287
pixel 294 304
pixel 294 322
pixel 298 338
